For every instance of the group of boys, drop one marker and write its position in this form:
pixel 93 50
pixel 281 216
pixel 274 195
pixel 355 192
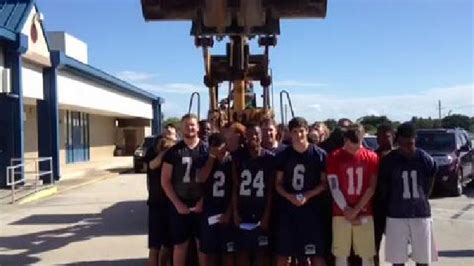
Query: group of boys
pixel 246 199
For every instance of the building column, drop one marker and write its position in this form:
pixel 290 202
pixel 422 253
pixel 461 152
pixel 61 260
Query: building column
pixel 48 121
pixel 157 120
pixel 11 111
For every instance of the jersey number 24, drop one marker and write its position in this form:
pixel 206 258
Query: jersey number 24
pixel 248 183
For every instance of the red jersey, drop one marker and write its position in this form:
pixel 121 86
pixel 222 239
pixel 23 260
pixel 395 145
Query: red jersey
pixel 353 174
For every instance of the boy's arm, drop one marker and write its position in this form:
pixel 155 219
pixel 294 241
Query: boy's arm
pixel 323 185
pixel 156 162
pixel 280 190
pixel 204 172
pixel 336 192
pixel 432 176
pixel 166 173
pixel 365 198
pixel 235 194
pixel 374 169
pixel 268 206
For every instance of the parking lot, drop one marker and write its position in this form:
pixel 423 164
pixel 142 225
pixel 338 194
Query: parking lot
pixel 105 223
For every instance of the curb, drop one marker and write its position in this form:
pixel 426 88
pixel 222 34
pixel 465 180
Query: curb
pixel 47 192
pixel 57 189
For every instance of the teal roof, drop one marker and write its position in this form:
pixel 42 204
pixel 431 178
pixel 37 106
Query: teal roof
pixel 13 14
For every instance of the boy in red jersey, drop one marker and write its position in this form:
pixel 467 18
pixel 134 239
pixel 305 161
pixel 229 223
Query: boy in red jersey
pixel 352 175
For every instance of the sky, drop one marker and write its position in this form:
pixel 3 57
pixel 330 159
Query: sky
pixel 367 57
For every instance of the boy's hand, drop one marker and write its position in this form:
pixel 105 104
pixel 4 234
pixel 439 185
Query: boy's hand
pixel 182 208
pixel 350 213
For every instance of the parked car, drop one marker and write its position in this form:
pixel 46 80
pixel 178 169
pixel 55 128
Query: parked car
pixel 452 150
pixel 370 142
pixel 138 156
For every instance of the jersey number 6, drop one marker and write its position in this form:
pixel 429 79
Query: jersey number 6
pixel 298 177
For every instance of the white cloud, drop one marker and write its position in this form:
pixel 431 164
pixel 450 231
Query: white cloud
pixel 297 84
pixel 133 76
pixel 147 82
pixel 396 106
pixel 174 88
pixel 321 106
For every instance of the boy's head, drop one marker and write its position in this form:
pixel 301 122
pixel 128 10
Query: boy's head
pixel 298 127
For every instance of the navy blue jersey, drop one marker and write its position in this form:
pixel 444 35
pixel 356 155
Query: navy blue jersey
pixel 185 162
pixel 407 183
pixel 218 188
pixel 279 149
pixel 301 171
pixel 153 177
pixel 254 177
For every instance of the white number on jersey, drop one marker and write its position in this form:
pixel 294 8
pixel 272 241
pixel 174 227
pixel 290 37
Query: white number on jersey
pixel 258 184
pixel 414 184
pixel 218 187
pixel 298 177
pixel 187 161
pixel 352 190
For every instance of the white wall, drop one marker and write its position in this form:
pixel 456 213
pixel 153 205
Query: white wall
pixel 77 91
pixel 32 78
pixel 70 45
pixel 37 51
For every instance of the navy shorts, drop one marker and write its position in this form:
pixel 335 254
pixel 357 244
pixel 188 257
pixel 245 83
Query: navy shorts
pixel 158 226
pixel 300 230
pixel 252 240
pixel 183 227
pixel 217 238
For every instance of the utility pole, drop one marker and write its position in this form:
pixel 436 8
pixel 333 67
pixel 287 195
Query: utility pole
pixel 439 108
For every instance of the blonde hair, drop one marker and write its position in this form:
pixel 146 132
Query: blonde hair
pixel 324 128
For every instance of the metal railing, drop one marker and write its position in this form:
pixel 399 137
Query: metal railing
pixel 283 107
pixel 198 95
pixel 17 167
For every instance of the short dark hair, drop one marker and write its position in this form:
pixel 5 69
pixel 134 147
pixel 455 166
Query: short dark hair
pixel 170 125
pixel 406 130
pixel 297 122
pixel 204 121
pixel 189 116
pixel 252 125
pixel 268 121
pixel 216 139
pixel 344 122
pixel 384 128
pixel 354 133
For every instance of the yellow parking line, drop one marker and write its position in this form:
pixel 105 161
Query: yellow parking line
pixel 39 195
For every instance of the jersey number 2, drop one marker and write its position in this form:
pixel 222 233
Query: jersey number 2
pixel 352 190
pixel 218 187
pixel 257 183
pixel 406 185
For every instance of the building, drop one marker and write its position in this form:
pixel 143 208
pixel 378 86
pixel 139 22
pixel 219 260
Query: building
pixel 54 104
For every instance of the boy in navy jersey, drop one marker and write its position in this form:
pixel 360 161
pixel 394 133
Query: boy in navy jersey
pixel 217 233
pixel 269 136
pixel 253 175
pixel 407 174
pixel 158 228
pixel 182 187
pixel 300 179
pixel 385 136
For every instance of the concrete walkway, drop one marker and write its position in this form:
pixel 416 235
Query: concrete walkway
pixel 72 176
